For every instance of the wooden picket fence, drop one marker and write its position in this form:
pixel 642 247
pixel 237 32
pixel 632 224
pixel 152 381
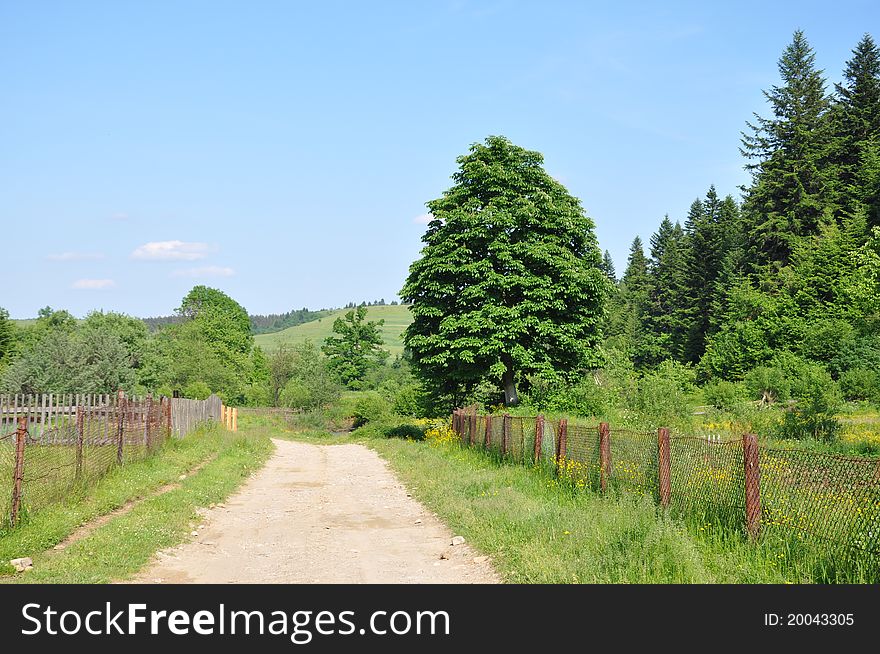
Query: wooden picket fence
pixel 51 443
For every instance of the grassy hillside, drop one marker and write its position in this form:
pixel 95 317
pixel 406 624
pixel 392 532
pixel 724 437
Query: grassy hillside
pixel 396 318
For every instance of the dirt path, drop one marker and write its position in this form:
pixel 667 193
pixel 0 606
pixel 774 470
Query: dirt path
pixel 320 514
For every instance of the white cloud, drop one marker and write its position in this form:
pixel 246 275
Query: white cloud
pixel 119 215
pixel 75 256
pixel 93 284
pixel 170 251
pixel 424 219
pixel 204 271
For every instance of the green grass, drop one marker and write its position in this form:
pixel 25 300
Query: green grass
pixel 396 317
pixel 538 532
pixel 123 545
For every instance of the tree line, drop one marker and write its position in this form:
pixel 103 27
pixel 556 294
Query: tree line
pixel 781 270
pixel 778 291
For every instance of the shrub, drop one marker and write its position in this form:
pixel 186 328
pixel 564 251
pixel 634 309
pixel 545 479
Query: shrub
pixel 409 432
pixel 767 384
pixel 370 407
pixel 859 384
pixel 819 399
pixel 197 390
pixel 723 395
pixel 660 398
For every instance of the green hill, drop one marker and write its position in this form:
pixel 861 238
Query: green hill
pixel 396 317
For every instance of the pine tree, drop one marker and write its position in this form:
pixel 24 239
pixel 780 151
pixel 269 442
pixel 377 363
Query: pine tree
pixel 731 265
pixel 856 124
pixel 666 319
pixel 785 201
pixel 633 296
pixel 709 226
pixel 607 267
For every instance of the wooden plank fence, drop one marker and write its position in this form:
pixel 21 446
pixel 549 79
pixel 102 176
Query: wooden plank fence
pixel 186 415
pixel 51 443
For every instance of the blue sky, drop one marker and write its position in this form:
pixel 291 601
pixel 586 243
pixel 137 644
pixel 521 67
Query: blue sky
pixel 283 151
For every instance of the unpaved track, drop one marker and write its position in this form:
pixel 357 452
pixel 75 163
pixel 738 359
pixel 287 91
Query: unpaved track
pixel 320 514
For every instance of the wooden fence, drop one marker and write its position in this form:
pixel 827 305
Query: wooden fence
pixel 53 443
pixel 186 415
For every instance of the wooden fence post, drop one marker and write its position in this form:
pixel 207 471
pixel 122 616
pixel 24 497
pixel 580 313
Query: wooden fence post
pixel 235 419
pixel 487 438
pixel 505 434
pixel 753 485
pixel 120 433
pixel 539 437
pixel 168 423
pixel 472 431
pixel 147 411
pixel 20 439
pixel 664 467
pixel 80 424
pixel 604 455
pixel 562 444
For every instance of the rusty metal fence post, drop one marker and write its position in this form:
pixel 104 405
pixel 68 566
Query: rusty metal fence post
pixel 664 467
pixel 20 440
pixel 753 485
pixel 505 434
pixel 120 433
pixel 80 423
pixel 561 444
pixel 539 437
pixel 604 455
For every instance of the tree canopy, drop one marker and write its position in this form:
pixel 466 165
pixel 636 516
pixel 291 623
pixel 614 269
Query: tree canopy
pixel 510 280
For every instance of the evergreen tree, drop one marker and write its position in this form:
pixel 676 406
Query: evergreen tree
pixel 666 319
pixel 633 297
pixel 856 125
pixel 607 267
pixel 709 228
pixel 785 201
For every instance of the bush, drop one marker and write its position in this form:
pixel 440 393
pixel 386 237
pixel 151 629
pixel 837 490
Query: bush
pixel 860 384
pixel 813 417
pixel 370 407
pixel 767 384
pixel 311 392
pixel 197 390
pixel 409 432
pixel 661 398
pixel 723 395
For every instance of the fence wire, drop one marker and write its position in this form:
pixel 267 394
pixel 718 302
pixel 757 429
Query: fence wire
pixel 74 449
pixel 713 483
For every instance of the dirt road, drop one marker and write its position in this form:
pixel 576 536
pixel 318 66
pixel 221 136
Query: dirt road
pixel 320 514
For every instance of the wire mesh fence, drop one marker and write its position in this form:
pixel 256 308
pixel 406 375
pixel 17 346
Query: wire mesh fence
pixel 733 484
pixel 52 444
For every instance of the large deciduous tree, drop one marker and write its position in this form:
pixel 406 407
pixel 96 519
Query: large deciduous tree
pixel 510 280
pixel 356 347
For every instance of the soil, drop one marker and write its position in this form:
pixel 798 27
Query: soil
pixel 320 514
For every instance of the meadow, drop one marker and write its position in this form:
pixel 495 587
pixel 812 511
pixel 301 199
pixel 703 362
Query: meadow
pixel 396 318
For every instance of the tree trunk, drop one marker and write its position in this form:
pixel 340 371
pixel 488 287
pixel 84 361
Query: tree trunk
pixel 510 396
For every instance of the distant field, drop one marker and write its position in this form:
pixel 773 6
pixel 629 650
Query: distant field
pixel 396 318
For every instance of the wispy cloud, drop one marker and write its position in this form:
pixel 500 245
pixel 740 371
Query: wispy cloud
pixel 75 256
pixel 93 284
pixel 170 251
pixel 119 215
pixel 204 271
pixel 424 219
